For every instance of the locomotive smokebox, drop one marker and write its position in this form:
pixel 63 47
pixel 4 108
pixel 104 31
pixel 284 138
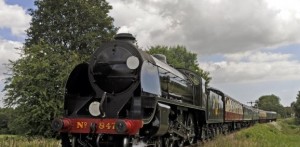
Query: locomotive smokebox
pixel 115 65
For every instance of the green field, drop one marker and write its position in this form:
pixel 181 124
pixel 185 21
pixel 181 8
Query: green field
pixel 283 133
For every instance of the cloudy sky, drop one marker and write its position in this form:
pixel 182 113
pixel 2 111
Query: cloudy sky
pixel 250 47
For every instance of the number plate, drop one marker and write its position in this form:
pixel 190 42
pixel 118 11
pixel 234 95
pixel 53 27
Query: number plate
pixel 107 126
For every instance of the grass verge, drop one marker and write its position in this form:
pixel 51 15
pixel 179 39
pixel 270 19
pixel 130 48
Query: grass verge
pixel 283 133
pixel 20 141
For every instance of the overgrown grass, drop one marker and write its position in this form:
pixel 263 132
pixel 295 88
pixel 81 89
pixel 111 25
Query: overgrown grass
pixel 19 141
pixel 283 133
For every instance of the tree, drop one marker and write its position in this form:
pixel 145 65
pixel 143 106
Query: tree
pixel 288 111
pixel 37 88
pixel 6 116
pixel 179 57
pixel 79 25
pixel 271 103
pixel 62 34
pixel 296 107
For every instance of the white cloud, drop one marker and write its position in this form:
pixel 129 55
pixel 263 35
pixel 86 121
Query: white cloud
pixel 209 27
pixel 14 17
pixel 287 9
pixel 7 52
pixel 256 56
pixel 254 67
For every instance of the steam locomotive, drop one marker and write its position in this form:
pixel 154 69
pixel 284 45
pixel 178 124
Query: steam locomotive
pixel 126 97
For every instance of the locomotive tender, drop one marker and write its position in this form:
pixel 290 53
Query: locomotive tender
pixel 125 97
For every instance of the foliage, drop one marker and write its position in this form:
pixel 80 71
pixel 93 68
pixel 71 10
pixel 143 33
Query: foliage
pixel 288 111
pixel 271 103
pixel 75 25
pixel 6 116
pixel 37 88
pixel 180 57
pixel 62 34
pixel 296 107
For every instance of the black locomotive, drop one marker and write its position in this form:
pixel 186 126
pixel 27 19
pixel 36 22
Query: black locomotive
pixel 126 97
